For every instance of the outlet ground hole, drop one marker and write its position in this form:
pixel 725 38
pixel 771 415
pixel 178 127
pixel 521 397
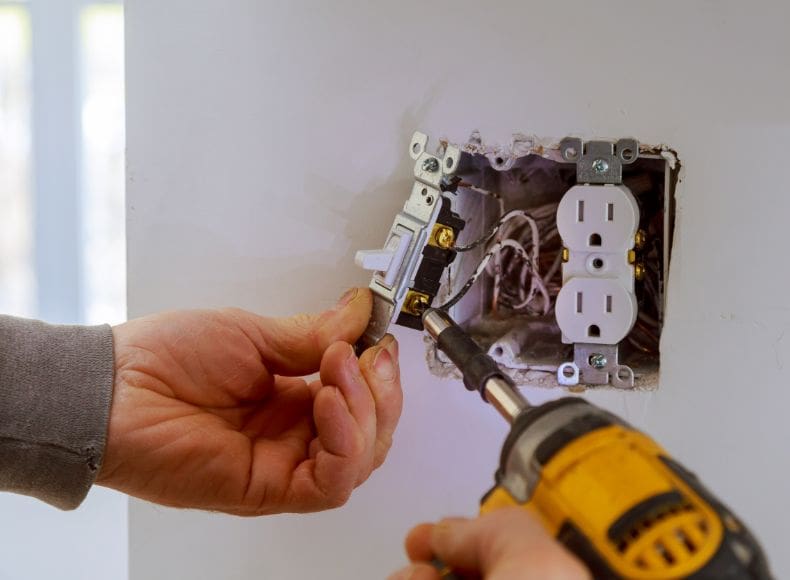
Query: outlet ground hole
pixel 595 240
pixel 594 331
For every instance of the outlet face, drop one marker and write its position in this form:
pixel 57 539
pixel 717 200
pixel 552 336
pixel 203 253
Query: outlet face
pixel 598 224
pixel 595 311
pixel 598 218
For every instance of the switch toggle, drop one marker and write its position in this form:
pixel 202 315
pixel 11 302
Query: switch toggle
pixel 387 262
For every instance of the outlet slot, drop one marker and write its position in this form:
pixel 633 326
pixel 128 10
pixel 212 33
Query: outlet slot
pixel 533 347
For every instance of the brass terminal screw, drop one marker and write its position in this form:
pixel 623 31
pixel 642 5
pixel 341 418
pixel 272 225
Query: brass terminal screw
pixel 631 256
pixel 416 303
pixel 444 237
pixel 640 239
pixel 639 272
pixel 566 254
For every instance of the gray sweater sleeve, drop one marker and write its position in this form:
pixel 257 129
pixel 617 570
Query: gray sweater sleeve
pixel 55 392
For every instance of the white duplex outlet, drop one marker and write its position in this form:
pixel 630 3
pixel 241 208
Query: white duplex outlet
pixel 597 304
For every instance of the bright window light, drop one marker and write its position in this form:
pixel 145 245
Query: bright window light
pixel 17 279
pixel 103 143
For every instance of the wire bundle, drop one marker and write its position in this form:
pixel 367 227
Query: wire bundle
pixel 518 248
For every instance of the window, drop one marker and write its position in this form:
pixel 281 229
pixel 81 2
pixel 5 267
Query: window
pixel 62 254
pixel 103 142
pixel 16 234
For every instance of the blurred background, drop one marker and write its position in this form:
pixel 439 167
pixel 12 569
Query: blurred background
pixel 62 241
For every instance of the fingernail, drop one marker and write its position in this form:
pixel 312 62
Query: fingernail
pixel 394 348
pixel 341 399
pixel 384 365
pixel 390 344
pixel 352 364
pixel 347 298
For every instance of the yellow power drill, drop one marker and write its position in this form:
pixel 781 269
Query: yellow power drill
pixel 606 491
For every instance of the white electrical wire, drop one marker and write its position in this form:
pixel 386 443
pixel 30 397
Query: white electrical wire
pixel 522 243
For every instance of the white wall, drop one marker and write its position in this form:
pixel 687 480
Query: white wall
pixel 267 143
pixel 38 542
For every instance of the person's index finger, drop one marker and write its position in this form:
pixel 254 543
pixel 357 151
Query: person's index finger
pixel 294 346
pixel 340 367
pixel 380 368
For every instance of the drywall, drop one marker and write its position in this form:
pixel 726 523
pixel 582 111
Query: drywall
pixel 267 142
pixel 38 542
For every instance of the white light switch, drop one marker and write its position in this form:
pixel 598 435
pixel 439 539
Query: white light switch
pixel 387 262
pixel 375 260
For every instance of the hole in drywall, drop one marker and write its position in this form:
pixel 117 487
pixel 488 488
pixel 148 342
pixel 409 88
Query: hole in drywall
pixel 594 331
pixel 595 240
pixel 504 306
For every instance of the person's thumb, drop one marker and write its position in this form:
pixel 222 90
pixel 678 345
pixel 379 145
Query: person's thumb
pixel 294 346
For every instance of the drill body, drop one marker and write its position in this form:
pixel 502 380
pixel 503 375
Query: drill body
pixel 608 492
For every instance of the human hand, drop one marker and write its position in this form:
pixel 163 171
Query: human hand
pixel 207 411
pixel 507 544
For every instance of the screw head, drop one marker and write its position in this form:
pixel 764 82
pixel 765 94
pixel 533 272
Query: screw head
pixel 600 166
pixel 431 164
pixel 416 304
pixel 640 239
pixel 598 361
pixel 445 238
pixel 639 272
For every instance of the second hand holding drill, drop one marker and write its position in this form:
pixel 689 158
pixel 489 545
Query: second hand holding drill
pixel 606 491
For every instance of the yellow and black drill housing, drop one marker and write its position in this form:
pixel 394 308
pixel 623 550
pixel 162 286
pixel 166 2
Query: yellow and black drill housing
pixel 615 498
